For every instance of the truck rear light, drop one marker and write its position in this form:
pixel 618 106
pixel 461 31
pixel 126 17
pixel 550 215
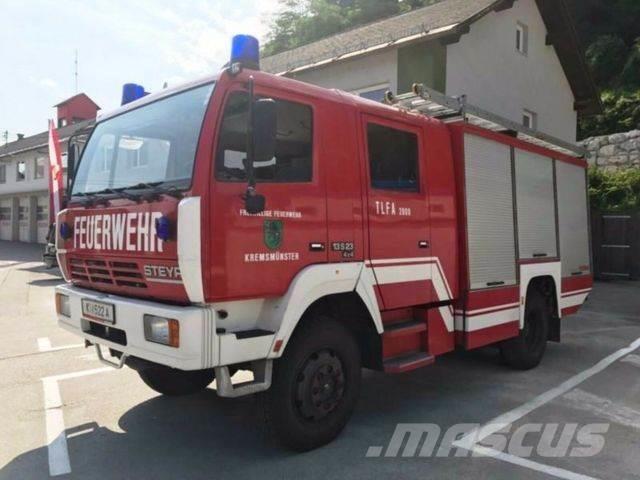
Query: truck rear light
pixel 165 331
pixel 62 305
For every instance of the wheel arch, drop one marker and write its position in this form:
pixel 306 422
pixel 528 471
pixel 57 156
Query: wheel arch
pixel 342 291
pixel 546 285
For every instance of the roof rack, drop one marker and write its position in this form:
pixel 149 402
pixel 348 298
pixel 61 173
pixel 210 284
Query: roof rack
pixel 434 104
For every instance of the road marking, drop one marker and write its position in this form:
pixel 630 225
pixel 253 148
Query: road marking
pixel 44 345
pixel 632 359
pixel 603 407
pixel 471 440
pixel 526 463
pixel 58 451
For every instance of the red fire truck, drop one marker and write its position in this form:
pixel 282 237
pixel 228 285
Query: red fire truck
pixel 250 221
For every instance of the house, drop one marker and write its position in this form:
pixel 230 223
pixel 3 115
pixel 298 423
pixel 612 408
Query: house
pixel 24 170
pixel 517 58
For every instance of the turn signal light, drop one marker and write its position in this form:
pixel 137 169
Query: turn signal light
pixel 62 305
pixel 165 331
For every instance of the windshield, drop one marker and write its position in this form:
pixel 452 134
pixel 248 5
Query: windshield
pixel 154 144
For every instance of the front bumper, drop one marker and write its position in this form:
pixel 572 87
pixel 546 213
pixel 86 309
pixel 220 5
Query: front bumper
pixel 199 343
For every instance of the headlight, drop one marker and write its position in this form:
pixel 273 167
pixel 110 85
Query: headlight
pixel 62 305
pixel 162 330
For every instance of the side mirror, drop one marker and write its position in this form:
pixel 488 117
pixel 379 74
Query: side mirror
pixel 264 129
pixel 72 157
pixel 254 203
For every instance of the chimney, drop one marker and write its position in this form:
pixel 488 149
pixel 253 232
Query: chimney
pixel 20 136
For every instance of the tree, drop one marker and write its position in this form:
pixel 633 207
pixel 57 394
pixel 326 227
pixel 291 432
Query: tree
pixel 299 22
pixel 610 32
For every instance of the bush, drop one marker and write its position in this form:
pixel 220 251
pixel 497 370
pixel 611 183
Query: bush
pixel 621 114
pixel 614 191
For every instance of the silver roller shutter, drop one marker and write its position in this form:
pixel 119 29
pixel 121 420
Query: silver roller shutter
pixel 536 205
pixel 573 219
pixel 489 197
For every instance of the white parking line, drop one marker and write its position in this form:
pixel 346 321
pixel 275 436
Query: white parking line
pixel 471 440
pixel 59 463
pixel 603 408
pixel 44 345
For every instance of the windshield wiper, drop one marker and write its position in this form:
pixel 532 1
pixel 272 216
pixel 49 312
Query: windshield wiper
pixel 157 190
pixel 121 192
pixel 88 199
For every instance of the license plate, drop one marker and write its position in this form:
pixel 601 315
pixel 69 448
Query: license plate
pixel 103 312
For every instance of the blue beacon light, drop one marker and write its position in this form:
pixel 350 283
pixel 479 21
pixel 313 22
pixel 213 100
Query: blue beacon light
pixel 245 50
pixel 163 228
pixel 132 92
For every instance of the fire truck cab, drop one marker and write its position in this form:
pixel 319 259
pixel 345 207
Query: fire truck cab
pixel 250 221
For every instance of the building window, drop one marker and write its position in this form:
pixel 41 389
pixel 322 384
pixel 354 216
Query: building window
pixel 293 159
pixel 5 213
pixel 40 166
pixel 41 213
pixel 522 38
pixel 3 174
pixel 21 171
pixel 530 119
pixel 375 93
pixel 393 158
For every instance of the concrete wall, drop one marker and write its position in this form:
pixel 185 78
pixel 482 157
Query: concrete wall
pixel 614 152
pixel 486 66
pixel 369 71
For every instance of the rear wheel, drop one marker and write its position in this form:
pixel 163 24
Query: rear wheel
pixel 527 349
pixel 170 381
pixel 315 385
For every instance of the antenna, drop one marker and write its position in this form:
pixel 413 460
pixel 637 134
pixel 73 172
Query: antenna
pixel 76 70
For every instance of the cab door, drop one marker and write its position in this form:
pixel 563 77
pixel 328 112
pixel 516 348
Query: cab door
pixel 259 255
pixel 398 211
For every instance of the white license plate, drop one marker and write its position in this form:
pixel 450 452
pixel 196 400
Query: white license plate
pixel 103 312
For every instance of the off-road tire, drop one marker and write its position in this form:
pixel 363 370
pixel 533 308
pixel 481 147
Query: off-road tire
pixel 315 385
pixel 525 351
pixel 173 382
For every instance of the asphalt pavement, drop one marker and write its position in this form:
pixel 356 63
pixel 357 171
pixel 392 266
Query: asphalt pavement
pixel 66 415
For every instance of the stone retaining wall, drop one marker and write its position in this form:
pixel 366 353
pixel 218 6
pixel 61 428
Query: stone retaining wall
pixel 613 152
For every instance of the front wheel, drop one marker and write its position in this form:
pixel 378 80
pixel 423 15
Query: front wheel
pixel 527 349
pixel 315 385
pixel 173 382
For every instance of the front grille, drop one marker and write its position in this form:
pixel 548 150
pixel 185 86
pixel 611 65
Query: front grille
pixel 122 274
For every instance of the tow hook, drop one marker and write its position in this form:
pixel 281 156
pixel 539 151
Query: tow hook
pixel 117 365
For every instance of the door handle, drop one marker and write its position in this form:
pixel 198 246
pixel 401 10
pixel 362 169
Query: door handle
pixel 423 244
pixel 316 247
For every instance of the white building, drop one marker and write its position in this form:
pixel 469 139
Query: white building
pixel 24 173
pixel 517 58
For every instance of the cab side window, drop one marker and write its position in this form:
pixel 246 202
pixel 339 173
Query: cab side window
pixel 293 157
pixel 393 158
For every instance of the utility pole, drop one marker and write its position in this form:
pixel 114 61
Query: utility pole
pixel 76 70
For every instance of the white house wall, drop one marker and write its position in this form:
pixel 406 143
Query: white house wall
pixel 486 66
pixel 360 73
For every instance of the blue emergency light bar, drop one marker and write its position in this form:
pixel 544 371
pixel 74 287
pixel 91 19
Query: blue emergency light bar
pixel 245 50
pixel 132 92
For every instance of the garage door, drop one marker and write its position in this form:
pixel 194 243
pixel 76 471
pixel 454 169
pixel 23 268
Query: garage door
pixel 23 220
pixel 5 219
pixel 42 218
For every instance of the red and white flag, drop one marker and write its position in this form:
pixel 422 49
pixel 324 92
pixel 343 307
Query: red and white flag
pixel 55 174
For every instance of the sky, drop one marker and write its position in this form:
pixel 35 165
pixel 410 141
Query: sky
pixel 148 42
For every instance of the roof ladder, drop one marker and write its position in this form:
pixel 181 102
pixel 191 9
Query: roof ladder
pixel 432 103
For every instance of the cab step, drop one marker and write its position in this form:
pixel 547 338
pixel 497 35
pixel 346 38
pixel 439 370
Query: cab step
pixel 401 329
pixel 407 362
